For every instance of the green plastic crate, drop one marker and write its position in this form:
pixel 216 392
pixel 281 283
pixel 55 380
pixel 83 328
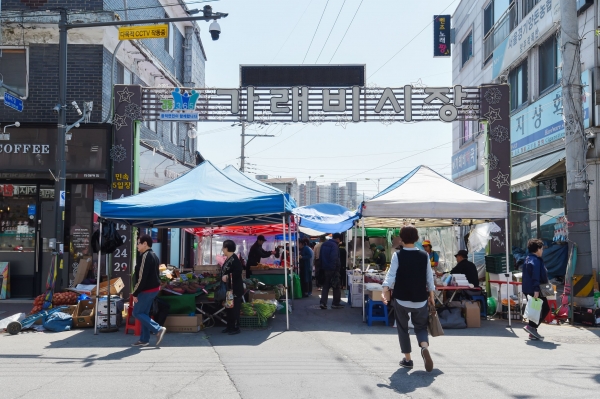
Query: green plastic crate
pixel 251 322
pixel 496 263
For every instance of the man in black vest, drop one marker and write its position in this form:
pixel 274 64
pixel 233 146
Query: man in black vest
pixel 410 280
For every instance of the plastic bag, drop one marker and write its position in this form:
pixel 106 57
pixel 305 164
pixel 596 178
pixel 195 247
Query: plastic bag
pixel 533 309
pixel 58 322
pixel 221 293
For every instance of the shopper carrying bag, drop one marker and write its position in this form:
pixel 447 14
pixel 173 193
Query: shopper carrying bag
pixel 231 273
pixel 534 276
pixel 434 326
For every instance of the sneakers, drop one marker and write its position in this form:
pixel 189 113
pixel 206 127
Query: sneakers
pixel 140 343
pixel 160 334
pixel 407 364
pixel 533 331
pixel 324 307
pixel 427 359
pixel 531 337
pixel 337 306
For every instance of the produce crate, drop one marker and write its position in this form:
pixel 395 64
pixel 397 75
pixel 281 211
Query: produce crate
pixel 496 263
pixel 515 314
pixel 251 322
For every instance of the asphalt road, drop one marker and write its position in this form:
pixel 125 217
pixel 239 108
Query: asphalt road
pixel 326 354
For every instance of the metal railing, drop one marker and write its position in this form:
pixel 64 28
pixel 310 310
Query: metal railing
pixel 500 31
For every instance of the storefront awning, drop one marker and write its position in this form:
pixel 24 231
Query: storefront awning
pixel 523 174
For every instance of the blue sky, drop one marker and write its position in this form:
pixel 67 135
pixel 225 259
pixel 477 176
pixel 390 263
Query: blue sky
pixel 280 32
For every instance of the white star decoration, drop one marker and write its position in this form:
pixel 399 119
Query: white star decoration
pixel 343 120
pixel 119 121
pixel 418 87
pixel 493 115
pixel 125 95
pixel 387 117
pixel 502 179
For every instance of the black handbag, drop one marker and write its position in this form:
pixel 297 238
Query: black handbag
pixel 221 293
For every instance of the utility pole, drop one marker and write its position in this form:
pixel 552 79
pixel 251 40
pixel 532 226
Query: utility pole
pixel 244 144
pixel 577 208
pixel 60 178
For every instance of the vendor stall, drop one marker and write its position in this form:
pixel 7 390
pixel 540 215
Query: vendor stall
pixel 424 198
pixel 205 197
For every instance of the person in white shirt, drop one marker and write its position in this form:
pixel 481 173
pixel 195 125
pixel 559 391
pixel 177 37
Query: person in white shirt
pixel 410 281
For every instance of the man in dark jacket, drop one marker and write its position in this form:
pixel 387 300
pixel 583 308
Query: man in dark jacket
pixel 330 264
pixel 534 275
pixel 464 266
pixel 256 254
pixel 146 289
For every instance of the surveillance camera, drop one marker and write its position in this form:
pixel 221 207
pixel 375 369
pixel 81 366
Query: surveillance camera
pixel 56 108
pixel 215 30
pixel 74 104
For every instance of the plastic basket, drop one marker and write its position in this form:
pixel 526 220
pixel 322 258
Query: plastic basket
pixel 251 322
pixel 496 263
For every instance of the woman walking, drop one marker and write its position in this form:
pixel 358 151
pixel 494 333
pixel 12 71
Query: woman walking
pixel 534 274
pixel 410 281
pixel 231 273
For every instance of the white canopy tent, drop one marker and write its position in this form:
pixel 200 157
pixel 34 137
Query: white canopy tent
pixel 424 198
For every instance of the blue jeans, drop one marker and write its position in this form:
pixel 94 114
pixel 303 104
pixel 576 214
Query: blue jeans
pixel 141 311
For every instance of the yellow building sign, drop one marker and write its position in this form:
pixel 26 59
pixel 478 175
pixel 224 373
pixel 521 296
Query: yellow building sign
pixel 144 32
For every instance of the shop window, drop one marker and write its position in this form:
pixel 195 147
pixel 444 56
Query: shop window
pixel 467 48
pixel 550 209
pixel 466 132
pixel 524 223
pixel 174 132
pixel 549 61
pixel 517 80
pixel 170 41
pixel 17 217
pixel 14 67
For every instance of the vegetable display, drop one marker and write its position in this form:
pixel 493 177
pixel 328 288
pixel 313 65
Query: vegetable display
pixel 260 308
pixel 58 299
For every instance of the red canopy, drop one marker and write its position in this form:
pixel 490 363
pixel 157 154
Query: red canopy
pixel 267 230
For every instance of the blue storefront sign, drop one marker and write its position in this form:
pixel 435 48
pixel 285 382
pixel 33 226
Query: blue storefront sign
pixel 441 36
pixel 13 102
pixel 541 122
pixel 464 161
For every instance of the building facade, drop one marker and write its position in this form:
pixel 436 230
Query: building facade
pixel 96 62
pixel 518 41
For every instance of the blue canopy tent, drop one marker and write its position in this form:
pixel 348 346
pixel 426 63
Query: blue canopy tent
pixel 326 218
pixel 205 196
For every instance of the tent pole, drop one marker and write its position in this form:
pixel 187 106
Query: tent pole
pixel 98 273
pixel 290 254
pixel 297 248
pixel 354 238
pixel 211 245
pixel 363 269
pixel 507 269
pixel 285 278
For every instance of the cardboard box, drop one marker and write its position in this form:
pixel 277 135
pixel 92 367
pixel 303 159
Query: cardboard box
pixel 183 323
pixel 115 320
pixel 265 295
pixel 472 314
pixel 84 265
pixel 116 305
pixel 116 286
pixel 375 295
pixel 357 300
pixel 84 315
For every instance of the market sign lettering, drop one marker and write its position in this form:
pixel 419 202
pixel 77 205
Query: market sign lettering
pixel 24 149
pixel 303 104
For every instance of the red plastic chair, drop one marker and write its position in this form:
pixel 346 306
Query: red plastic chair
pixel 136 326
pixel 553 307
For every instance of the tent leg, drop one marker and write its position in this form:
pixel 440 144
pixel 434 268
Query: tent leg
pixel 285 278
pixel 363 270
pixel 507 270
pixel 99 273
pixel 291 255
pixel 354 238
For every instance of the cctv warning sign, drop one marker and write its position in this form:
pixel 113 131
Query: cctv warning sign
pixel 144 32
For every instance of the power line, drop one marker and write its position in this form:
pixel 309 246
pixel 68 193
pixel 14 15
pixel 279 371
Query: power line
pixel 348 28
pixel 292 31
pixel 313 38
pixel 410 41
pixel 333 26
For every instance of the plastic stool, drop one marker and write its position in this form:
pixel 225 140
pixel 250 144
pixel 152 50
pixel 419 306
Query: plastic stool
pixel 553 307
pixel 136 326
pixel 483 307
pixel 374 307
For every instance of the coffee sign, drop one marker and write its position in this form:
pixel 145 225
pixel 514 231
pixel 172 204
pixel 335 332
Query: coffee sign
pixel 24 149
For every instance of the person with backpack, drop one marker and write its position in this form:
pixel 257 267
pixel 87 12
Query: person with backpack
pixel 409 285
pixel 534 274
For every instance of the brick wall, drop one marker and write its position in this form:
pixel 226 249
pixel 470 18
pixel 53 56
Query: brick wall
pixel 34 5
pixel 84 83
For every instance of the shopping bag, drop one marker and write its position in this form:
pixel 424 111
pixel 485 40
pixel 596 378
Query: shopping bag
pixel 221 293
pixel 433 325
pixel 228 299
pixel 533 309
